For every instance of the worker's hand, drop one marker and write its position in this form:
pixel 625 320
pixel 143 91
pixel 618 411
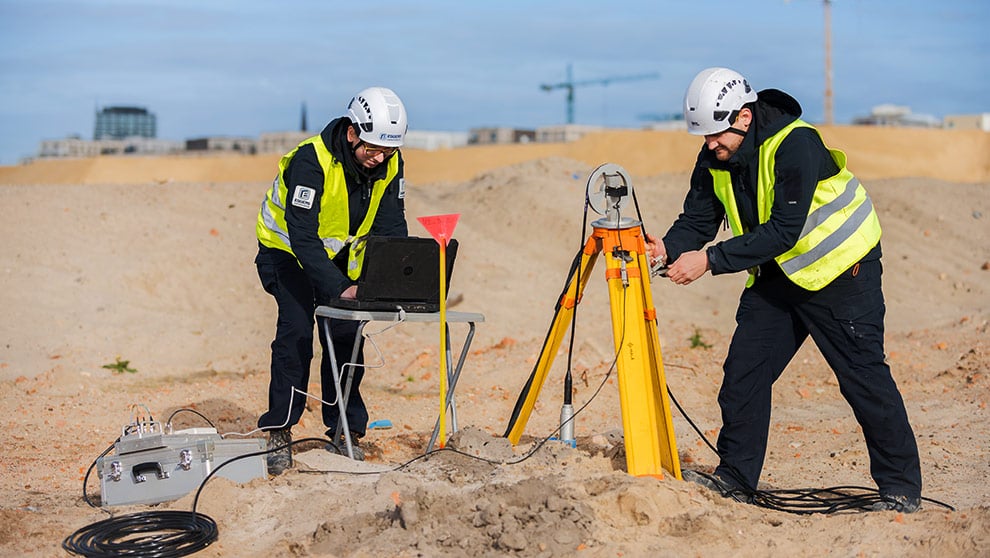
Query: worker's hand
pixel 656 250
pixel 688 267
pixel 349 292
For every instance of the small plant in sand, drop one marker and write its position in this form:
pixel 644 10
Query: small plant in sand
pixel 697 342
pixel 120 366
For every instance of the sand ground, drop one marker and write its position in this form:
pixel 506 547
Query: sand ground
pixel 149 261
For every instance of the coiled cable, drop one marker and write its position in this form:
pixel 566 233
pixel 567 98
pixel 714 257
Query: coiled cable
pixel 165 534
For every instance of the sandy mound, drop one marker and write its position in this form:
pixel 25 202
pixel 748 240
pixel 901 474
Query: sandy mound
pixel 149 263
pixel 951 155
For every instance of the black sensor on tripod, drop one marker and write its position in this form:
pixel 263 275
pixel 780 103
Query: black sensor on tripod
pixel 619 192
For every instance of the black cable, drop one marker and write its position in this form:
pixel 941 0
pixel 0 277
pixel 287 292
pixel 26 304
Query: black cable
pixel 171 533
pixel 524 393
pixel 573 277
pixel 797 501
pixel 112 445
pixel 187 410
pixel 428 454
pixel 568 378
pixel 608 373
pixel 165 534
pixel 90 470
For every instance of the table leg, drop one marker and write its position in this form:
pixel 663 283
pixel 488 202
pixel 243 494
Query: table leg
pixel 453 382
pixel 342 428
pixel 451 403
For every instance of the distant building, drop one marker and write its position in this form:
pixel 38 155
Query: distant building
pixel 78 147
pixel 124 122
pixel 68 147
pixel 668 126
pixel 564 132
pixel 431 141
pixel 968 122
pixel 669 122
pixel 895 115
pixel 118 130
pixel 484 136
pixel 281 142
pixel 242 145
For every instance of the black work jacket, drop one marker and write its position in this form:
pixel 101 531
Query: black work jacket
pixel 801 161
pixel 329 277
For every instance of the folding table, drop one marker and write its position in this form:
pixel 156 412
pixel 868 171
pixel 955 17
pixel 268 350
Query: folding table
pixel 363 316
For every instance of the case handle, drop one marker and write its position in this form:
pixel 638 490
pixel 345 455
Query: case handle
pixel 140 469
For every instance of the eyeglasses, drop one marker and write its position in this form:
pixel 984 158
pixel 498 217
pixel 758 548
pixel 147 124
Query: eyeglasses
pixel 373 151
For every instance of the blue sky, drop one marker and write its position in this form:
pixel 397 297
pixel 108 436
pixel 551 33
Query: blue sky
pixel 217 67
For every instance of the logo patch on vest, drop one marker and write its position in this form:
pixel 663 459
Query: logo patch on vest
pixel 402 188
pixel 303 197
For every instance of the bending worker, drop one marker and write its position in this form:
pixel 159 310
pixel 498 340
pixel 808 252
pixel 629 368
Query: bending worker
pixel 807 233
pixel 332 191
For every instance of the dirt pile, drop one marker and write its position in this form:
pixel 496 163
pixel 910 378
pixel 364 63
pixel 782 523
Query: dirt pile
pixel 129 284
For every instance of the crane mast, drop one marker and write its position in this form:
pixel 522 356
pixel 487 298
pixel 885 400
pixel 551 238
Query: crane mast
pixel 570 85
pixel 828 62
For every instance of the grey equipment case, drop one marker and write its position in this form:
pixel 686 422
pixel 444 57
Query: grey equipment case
pixel 149 466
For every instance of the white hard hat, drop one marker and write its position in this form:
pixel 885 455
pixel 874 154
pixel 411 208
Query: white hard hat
pixel 713 98
pixel 379 115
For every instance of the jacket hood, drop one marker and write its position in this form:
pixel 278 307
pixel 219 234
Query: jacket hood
pixel 774 109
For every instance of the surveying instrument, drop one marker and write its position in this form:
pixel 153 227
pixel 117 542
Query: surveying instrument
pixel 647 425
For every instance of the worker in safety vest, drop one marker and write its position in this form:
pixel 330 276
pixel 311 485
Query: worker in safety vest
pixel 332 191
pixel 806 232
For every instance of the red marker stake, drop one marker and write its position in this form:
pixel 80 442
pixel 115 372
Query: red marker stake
pixel 441 228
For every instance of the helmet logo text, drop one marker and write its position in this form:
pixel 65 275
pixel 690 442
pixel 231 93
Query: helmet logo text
pixel 364 105
pixel 729 85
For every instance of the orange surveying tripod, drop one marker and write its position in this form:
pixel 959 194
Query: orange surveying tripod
pixel 646 420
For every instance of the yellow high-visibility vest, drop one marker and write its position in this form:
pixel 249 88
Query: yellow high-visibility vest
pixel 841 227
pixel 334 224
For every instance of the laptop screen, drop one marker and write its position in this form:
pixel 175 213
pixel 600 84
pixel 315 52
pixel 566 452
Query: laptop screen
pixel 402 271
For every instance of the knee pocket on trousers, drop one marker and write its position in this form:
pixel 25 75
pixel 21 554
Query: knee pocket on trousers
pixel 860 315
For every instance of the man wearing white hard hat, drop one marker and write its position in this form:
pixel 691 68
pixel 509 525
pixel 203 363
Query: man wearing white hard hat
pixel 332 191
pixel 805 230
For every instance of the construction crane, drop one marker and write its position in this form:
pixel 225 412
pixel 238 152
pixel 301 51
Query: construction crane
pixel 827 5
pixel 828 62
pixel 570 84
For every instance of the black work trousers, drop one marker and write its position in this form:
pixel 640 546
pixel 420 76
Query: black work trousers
pixel 292 350
pixel 845 320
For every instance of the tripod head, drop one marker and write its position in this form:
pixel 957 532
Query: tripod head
pixel 609 190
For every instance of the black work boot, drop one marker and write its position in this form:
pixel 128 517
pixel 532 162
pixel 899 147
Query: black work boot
pixel 897 502
pixel 723 486
pixel 280 459
pixel 340 447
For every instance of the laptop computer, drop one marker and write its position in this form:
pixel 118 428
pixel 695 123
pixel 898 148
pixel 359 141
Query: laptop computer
pixel 400 272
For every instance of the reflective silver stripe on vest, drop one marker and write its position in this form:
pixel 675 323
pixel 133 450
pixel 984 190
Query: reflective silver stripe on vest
pixel 269 219
pixel 335 245
pixel 822 214
pixel 275 190
pixel 833 240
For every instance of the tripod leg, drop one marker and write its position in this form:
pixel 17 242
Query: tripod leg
pixel 667 440
pixel 583 264
pixel 646 422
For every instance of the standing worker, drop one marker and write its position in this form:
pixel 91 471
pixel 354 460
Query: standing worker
pixel 807 233
pixel 332 191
